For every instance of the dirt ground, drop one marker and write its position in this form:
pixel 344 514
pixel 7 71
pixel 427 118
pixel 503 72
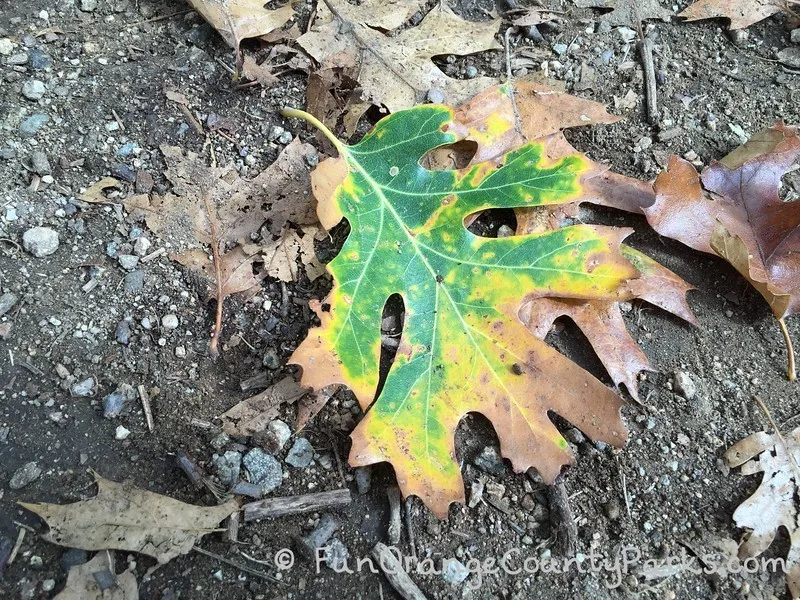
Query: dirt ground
pixel 666 494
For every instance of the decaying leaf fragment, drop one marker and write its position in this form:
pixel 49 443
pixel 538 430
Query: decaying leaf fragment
pixel 741 13
pixel 238 20
pixel 774 503
pixel 254 414
pixel 82 581
pixel 397 71
pixel 123 517
pixel 737 214
pixel 463 347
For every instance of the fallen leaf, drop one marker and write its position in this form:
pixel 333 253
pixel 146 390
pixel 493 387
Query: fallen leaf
pixel 281 255
pixel 122 517
pixel 627 12
pixel 737 214
pixel 96 193
pixel 238 20
pixel 255 72
pixel 773 504
pixel 309 405
pixel 602 323
pixel 82 584
pixel 236 269
pixel 254 414
pixel 397 71
pixel 741 13
pixel 463 347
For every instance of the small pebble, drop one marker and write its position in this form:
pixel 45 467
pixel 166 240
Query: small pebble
pixel 363 479
pixel 48 585
pixel 18 59
pixel 490 461
pixel 435 95
pixel 455 572
pixel 128 261
pixel 141 246
pixel 83 388
pixel 72 558
pixel 795 36
pixel 123 332
pixel 39 163
pixel 33 89
pixel 30 126
pixel 301 454
pixel 7 301
pixel 274 437
pixel 471 72
pixel 6 46
pixel 170 321
pixel 121 432
pixel 26 474
pixel 264 470
pixel 123 172
pixel 559 49
pixel 227 467
pixel 38 60
pixel 40 241
pixel 88 5
pixel 134 282
pixel 683 385
pixel 285 137
pixel 180 352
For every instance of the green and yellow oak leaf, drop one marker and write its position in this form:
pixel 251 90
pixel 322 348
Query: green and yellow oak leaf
pixel 463 347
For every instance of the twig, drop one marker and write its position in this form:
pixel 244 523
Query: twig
pixel 190 117
pixel 292 505
pixel 562 522
pixel 161 18
pixel 790 369
pixel 625 493
pixel 338 459
pixel 118 120
pixel 510 83
pixel 410 527
pixel 17 546
pixel 235 565
pixel 646 52
pixel 233 527
pixel 213 349
pixel 148 413
pixel 190 467
pixel 395 523
pixel 393 570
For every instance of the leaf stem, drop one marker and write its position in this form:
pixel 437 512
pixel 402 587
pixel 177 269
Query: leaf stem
pixel 790 370
pixel 311 119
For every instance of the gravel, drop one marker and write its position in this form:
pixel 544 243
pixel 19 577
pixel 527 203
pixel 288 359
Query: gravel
pixel 128 261
pixel 301 454
pixel 170 321
pixel 40 241
pixel 30 126
pixel 683 385
pixel 7 301
pixel 83 388
pixel 40 164
pixel 33 89
pixel 134 282
pixel 227 467
pixel 264 470
pixel 26 474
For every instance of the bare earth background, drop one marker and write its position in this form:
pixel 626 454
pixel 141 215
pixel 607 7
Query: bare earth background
pixel 680 496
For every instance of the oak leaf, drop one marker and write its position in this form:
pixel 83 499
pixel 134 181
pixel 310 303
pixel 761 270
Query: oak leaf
pixel 238 20
pixel 397 71
pixel 122 517
pixel 463 347
pixel 741 13
pixel 497 125
pixel 773 505
pixel 733 209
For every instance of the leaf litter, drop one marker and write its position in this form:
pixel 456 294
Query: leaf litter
pixel 84 581
pixel 122 517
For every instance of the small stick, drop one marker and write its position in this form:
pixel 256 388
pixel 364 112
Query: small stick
pixel 190 117
pixel 245 488
pixel 17 546
pixel 393 570
pixel 261 381
pixel 213 349
pixel 410 528
pixel 646 52
pixel 153 255
pixel 233 527
pixel 293 505
pixel 148 413
pixel 235 565
pixel 118 120
pixel 190 467
pixel 561 519
pixel 790 369
pixel 195 422
pixel 395 522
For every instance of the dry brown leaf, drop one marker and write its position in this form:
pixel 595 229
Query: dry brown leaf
pixel 741 13
pixel 255 72
pixel 628 12
pixel 82 585
pixel 122 517
pixel 397 71
pixel 773 505
pixel 238 20
pixel 236 268
pixel 281 255
pixel 254 414
pixel 96 193
pixel 310 404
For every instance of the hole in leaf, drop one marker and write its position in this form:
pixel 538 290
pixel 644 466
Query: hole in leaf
pixel 391 330
pixel 450 157
pixel 489 222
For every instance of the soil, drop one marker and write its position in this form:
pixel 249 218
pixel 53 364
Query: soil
pixel 667 493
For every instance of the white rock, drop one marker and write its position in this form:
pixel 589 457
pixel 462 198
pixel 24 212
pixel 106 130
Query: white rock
pixel 40 241
pixel 6 46
pixel 33 89
pixel 141 246
pixel 122 433
pixel 170 321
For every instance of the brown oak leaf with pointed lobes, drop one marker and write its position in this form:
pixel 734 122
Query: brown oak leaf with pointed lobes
pixel 238 20
pixel 737 214
pixel 741 13
pixel 397 71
